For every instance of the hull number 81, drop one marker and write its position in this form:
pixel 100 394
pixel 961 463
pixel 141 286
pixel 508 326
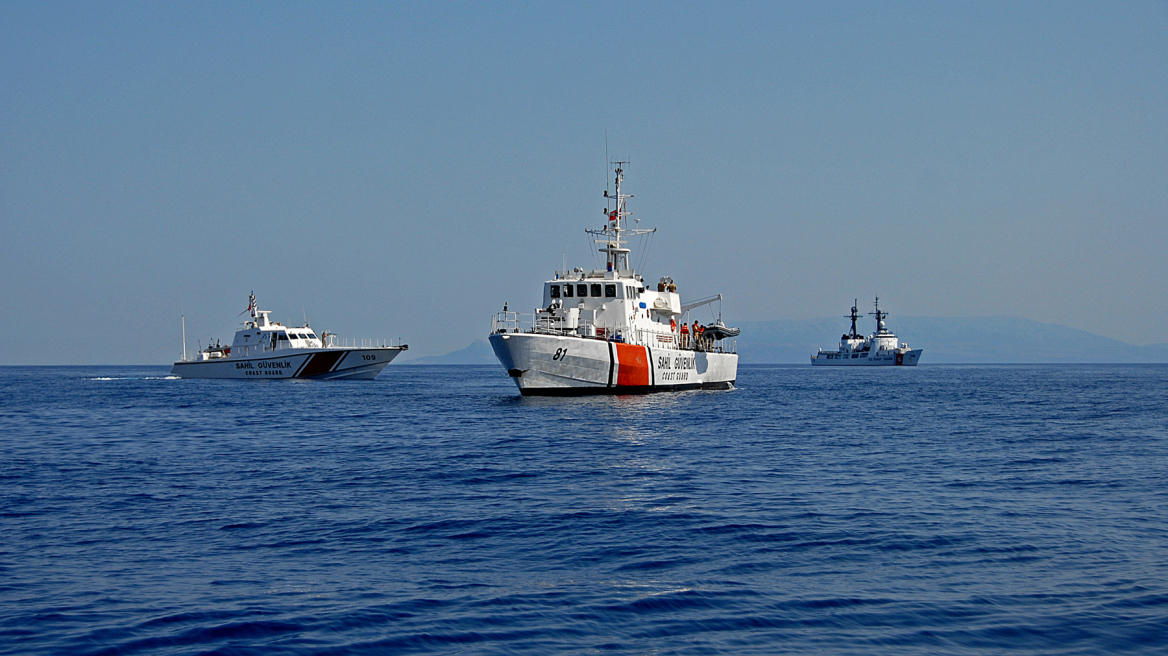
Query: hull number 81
pixel 561 353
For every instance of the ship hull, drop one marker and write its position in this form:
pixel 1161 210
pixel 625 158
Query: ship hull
pixel 321 364
pixel 885 359
pixel 554 365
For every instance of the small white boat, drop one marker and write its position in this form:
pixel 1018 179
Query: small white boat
pixel 265 349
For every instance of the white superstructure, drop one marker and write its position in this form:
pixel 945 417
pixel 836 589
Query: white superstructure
pixel 266 349
pixel 878 349
pixel 606 331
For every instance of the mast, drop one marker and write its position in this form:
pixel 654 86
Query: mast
pixel 880 316
pixel 611 235
pixel 855 315
pixel 183 314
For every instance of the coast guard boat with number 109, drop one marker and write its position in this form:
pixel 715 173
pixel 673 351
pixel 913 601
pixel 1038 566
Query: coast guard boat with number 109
pixel 607 332
pixel 264 349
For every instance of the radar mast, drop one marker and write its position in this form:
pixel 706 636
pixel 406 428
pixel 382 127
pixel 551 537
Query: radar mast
pixel 880 317
pixel 611 235
pixel 854 316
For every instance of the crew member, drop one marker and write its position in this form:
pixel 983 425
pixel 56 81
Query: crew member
pixel 684 334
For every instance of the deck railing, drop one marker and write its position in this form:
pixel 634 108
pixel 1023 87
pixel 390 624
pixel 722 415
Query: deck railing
pixel 332 341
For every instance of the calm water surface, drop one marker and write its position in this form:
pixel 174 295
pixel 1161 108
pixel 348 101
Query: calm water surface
pixel 962 510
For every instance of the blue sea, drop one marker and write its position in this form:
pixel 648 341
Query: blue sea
pixel 927 510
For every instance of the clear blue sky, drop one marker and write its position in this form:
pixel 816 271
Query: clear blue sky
pixel 402 170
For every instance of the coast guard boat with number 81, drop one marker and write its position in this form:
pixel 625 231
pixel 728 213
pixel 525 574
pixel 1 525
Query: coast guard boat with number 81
pixel 607 332
pixel 264 349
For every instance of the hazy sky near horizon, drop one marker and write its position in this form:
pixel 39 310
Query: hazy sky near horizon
pixel 402 170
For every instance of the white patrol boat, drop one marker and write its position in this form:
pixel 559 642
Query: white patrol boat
pixel 606 332
pixel 265 349
pixel 879 349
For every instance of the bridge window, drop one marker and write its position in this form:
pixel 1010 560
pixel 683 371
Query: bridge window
pixel 282 336
pixel 595 290
pixel 555 289
pixel 610 291
pixel 582 290
pixel 567 291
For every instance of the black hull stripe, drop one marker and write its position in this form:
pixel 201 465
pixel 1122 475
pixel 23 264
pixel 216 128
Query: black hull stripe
pixel 652 369
pixel 303 365
pixel 611 363
pixel 321 363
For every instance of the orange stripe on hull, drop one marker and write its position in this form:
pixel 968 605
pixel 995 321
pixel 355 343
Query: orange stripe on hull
pixel 633 365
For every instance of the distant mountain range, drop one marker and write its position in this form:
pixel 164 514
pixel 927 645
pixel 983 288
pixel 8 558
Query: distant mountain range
pixel 479 352
pixel 973 340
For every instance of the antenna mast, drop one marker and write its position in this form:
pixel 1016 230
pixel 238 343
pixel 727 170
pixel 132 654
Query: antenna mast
pixel 880 316
pixel 183 314
pixel 855 315
pixel 614 227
